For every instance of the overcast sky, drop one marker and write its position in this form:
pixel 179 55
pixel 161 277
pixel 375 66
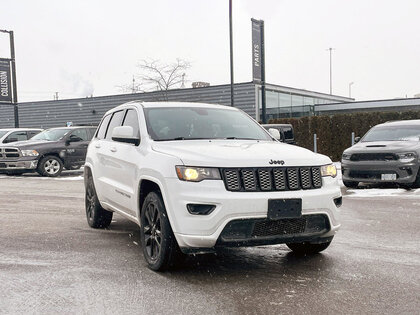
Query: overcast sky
pixel 82 47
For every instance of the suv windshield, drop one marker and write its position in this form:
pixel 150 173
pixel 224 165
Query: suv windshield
pixel 393 133
pixel 189 123
pixel 51 134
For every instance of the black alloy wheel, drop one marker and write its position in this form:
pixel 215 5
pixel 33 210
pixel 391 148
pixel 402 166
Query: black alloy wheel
pixel 160 248
pixel 152 231
pixel 97 217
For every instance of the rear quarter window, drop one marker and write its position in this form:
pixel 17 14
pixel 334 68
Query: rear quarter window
pixel 103 127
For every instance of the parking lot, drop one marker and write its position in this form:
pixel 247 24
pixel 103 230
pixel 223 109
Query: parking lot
pixel 52 262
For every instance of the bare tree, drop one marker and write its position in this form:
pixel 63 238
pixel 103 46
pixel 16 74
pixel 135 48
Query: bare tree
pixel 159 76
pixel 134 87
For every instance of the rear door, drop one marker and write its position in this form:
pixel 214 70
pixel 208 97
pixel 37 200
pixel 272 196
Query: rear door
pixel 124 160
pixel 105 168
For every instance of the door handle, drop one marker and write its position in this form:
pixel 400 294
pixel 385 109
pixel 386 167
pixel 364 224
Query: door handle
pixel 113 149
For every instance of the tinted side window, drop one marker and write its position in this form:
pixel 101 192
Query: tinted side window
pixel 16 136
pixel 80 133
pixel 132 120
pixel 115 122
pixel 102 128
pixel 32 133
pixel 288 133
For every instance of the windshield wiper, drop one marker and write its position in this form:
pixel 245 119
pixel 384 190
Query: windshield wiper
pixel 181 138
pixel 238 138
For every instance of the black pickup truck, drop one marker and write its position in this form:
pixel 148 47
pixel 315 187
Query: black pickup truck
pixel 48 152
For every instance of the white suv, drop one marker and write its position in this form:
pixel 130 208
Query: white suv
pixel 197 176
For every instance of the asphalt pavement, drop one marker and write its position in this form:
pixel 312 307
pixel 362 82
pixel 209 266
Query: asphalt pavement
pixel 52 262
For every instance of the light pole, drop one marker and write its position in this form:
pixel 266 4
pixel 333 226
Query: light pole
pixel 350 84
pixel 330 49
pixel 13 68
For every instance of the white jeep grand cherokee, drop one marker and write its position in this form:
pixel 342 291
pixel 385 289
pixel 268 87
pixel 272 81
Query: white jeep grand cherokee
pixel 197 176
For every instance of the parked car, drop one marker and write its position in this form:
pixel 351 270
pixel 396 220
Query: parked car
pixel 17 134
pixel 195 177
pixel 47 152
pixel 388 153
pixel 285 130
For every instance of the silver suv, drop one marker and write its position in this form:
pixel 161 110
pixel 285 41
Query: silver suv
pixel 388 153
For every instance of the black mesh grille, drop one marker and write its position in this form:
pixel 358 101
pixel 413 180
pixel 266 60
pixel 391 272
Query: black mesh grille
pixel 374 157
pixel 269 179
pixel 279 227
pixel 257 230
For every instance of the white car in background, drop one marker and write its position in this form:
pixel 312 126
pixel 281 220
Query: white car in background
pixel 17 134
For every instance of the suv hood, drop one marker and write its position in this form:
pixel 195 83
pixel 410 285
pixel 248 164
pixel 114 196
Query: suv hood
pixel 30 144
pixel 384 146
pixel 239 153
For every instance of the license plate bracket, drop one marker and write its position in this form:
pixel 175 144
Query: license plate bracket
pixel 284 208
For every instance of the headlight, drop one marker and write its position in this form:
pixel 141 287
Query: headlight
pixel 197 174
pixel 29 152
pixel 329 170
pixel 346 156
pixel 406 157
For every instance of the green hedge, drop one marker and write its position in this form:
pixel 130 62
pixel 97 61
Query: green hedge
pixel 334 131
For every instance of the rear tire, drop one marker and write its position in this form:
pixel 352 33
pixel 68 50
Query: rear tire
pixel 308 248
pixel 350 184
pixel 50 166
pixel 97 217
pixel 160 248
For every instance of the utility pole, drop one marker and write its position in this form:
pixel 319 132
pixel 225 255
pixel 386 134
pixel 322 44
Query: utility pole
pixel 231 54
pixel 13 69
pixel 330 49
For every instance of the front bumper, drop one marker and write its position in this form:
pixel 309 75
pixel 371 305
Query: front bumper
pixel 371 171
pixel 18 165
pixel 204 231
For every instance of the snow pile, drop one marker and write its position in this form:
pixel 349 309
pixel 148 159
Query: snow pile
pixel 383 192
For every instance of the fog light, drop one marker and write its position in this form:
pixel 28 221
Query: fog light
pixel 200 209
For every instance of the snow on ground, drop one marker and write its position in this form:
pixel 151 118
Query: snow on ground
pixel 383 192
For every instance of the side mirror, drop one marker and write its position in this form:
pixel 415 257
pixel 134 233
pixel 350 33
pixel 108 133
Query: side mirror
pixel 274 133
pixel 73 138
pixel 356 139
pixel 125 134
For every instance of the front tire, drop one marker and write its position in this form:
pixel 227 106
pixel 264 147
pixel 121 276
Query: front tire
pixel 97 217
pixel 308 248
pixel 160 248
pixel 50 166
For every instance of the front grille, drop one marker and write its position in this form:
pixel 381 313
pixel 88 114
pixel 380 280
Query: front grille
pixel 370 174
pixel 256 230
pixel 272 179
pixel 9 153
pixel 279 227
pixel 373 157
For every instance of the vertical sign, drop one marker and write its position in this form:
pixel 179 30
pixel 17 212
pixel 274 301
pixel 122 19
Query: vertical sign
pixel 258 62
pixel 5 81
pixel 256 51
